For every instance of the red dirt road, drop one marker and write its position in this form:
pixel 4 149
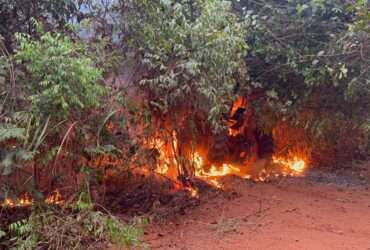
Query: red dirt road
pixel 286 214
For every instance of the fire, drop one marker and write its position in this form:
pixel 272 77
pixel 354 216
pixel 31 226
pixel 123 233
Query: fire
pixel 168 166
pixel 193 192
pixel 225 169
pixel 166 162
pixel 22 202
pixel 55 198
pixel 213 173
pixel 295 165
pixel 26 200
pixel 240 103
pixel 173 164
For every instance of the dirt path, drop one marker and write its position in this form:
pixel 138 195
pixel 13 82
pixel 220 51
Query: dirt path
pixel 286 214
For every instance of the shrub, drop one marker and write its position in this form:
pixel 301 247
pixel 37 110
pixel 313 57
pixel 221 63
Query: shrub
pixel 60 76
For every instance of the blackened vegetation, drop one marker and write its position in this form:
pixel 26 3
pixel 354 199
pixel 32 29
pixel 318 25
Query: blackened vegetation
pixel 153 196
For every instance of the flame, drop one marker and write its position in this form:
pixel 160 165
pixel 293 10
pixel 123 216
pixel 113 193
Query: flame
pixel 168 160
pixel 55 198
pixel 240 102
pixel 296 165
pixel 167 165
pixel 225 169
pixel 22 202
pixel 213 173
pixel 26 200
pixel 193 192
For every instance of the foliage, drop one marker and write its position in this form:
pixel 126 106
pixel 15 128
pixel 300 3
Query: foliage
pixel 13 137
pixel 16 16
pixel 85 229
pixel 61 77
pixel 313 73
pixel 60 81
pixel 56 81
pixel 11 132
pixel 125 235
pixel 305 65
pixel 77 226
pixel 192 51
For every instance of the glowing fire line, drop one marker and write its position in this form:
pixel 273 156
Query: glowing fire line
pixel 26 200
pixel 167 165
pixel 288 167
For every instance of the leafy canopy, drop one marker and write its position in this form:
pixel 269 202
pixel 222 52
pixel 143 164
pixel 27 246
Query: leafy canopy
pixel 193 51
pixel 61 76
pixel 311 59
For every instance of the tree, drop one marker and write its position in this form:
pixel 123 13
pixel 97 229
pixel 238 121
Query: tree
pixel 315 71
pixel 61 76
pixel 57 82
pixel 16 16
pixel 193 52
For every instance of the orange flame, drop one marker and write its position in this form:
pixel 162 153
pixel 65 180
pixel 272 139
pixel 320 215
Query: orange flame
pixel 55 198
pixel 167 165
pixel 240 102
pixel 296 165
pixel 286 167
pixel 168 161
pixel 26 200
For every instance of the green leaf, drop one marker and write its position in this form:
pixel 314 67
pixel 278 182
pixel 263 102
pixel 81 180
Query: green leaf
pixel 11 132
pixel 2 234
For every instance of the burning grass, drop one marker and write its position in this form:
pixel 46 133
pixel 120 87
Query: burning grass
pixel 176 170
pixel 273 167
pixel 234 153
pixel 178 162
pixel 26 200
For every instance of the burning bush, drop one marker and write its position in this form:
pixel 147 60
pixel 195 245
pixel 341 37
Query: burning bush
pixel 291 142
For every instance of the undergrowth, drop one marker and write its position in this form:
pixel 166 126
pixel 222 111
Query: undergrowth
pixel 71 228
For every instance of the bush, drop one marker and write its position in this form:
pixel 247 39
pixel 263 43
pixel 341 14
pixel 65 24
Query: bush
pixel 313 73
pixel 52 229
pixel 192 51
pixel 61 77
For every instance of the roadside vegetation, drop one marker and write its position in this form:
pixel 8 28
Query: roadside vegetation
pixel 68 115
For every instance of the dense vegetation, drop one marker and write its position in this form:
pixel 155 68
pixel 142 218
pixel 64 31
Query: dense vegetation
pixel 306 64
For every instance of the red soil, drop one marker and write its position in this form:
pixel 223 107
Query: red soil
pixel 287 214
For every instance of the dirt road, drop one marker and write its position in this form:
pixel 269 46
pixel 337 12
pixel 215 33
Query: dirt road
pixel 317 212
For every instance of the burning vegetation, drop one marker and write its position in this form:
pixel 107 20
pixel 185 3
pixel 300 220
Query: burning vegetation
pixel 26 200
pixel 163 98
pixel 240 154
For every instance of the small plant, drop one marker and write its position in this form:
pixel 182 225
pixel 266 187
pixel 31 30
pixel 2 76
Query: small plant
pixel 52 229
pixel 125 235
pixel 23 233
